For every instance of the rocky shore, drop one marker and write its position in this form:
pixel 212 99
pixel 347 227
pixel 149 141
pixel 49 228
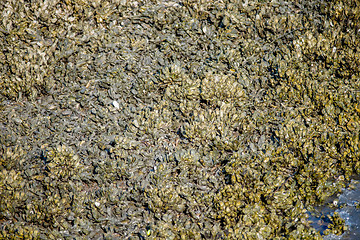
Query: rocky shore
pixel 176 119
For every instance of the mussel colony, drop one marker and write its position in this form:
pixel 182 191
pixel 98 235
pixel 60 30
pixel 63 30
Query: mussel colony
pixel 176 119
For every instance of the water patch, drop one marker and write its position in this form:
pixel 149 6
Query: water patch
pixel 347 206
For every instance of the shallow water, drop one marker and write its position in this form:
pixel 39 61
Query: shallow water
pixel 348 199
